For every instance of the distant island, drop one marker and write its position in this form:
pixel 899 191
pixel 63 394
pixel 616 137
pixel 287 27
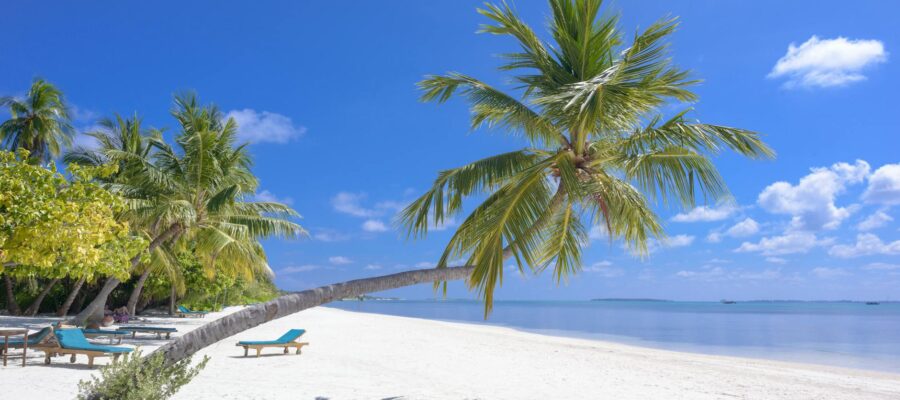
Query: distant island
pixel 370 298
pixel 626 299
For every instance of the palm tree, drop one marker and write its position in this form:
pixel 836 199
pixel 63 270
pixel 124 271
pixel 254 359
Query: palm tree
pixel 124 142
pixel 599 153
pixel 195 196
pixel 38 123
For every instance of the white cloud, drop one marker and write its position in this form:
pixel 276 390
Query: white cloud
pixel 604 269
pixel 678 241
pixel 267 196
pixel 598 232
pixel 714 237
pixel 881 267
pixel 263 126
pixel 744 228
pixel 789 243
pixel 776 260
pixel 829 273
pixel 425 265
pixel 374 225
pixel 721 274
pixel 866 244
pixel 828 62
pixel 705 214
pixel 298 268
pixel 811 201
pixel 373 267
pixel 884 186
pixel 446 224
pixel 350 203
pixel 328 235
pixel 339 260
pixel 875 221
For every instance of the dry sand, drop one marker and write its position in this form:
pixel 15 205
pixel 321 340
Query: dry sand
pixel 367 356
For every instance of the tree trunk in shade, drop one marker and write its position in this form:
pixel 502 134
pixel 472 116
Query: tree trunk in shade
pixel 172 299
pixel 136 292
pixel 258 314
pixel 35 306
pixel 64 309
pixel 11 306
pixel 94 310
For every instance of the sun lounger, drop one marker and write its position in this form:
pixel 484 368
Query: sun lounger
pixel 187 312
pixel 72 341
pixel 158 330
pixel 286 341
pixel 112 335
pixel 33 339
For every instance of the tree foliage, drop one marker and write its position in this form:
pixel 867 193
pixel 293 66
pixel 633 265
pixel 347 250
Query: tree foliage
pixel 53 227
pixel 602 152
pixel 39 123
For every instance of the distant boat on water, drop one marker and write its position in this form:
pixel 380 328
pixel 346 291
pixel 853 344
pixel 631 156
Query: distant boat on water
pixel 872 303
pixel 728 302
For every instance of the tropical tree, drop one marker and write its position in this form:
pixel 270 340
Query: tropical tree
pixel 125 143
pixel 38 123
pixel 195 197
pixel 600 152
pixel 53 227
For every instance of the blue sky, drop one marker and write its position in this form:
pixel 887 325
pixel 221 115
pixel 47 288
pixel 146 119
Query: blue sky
pixel 326 93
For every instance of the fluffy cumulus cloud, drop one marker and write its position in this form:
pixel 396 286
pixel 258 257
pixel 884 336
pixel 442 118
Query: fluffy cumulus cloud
pixel 866 244
pixel 881 267
pixel 789 243
pixel 298 268
pixel 374 225
pixel 604 269
pixel 263 126
pixel 705 214
pixel 828 62
pixel 269 197
pixel 875 221
pixel 713 274
pixel 811 201
pixel 884 186
pixel 669 243
pixel 744 228
pixel 339 260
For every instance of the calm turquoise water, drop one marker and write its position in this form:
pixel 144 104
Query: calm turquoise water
pixel 852 335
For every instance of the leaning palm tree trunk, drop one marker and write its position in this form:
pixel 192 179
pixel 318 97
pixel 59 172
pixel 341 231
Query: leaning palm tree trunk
pixel 35 306
pixel 136 292
pixel 292 303
pixel 64 309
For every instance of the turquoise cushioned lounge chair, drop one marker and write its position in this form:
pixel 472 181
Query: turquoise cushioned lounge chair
pixel 187 312
pixel 112 335
pixel 72 341
pixel 158 330
pixel 288 340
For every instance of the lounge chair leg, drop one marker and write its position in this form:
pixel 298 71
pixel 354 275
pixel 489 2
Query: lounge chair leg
pixel 72 359
pixel 47 359
pixel 257 351
pixel 168 335
pixel 115 358
pixel 90 361
pixel 285 350
pixel 245 351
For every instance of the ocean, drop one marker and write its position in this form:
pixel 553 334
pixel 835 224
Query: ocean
pixel 845 334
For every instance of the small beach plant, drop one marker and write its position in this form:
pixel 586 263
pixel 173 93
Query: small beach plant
pixel 140 378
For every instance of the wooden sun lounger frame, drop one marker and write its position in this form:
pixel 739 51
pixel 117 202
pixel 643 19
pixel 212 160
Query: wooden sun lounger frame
pixel 158 333
pixel 111 336
pixel 53 351
pixel 286 346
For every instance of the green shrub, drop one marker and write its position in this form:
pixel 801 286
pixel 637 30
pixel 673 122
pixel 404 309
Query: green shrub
pixel 140 379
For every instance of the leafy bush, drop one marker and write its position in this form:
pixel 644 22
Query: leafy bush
pixel 140 378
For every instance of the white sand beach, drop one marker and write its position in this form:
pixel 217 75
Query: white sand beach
pixel 367 356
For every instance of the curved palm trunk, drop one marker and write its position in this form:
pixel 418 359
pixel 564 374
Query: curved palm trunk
pixel 95 308
pixel 252 316
pixel 64 309
pixel 173 296
pixel 136 292
pixel 11 306
pixel 35 306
